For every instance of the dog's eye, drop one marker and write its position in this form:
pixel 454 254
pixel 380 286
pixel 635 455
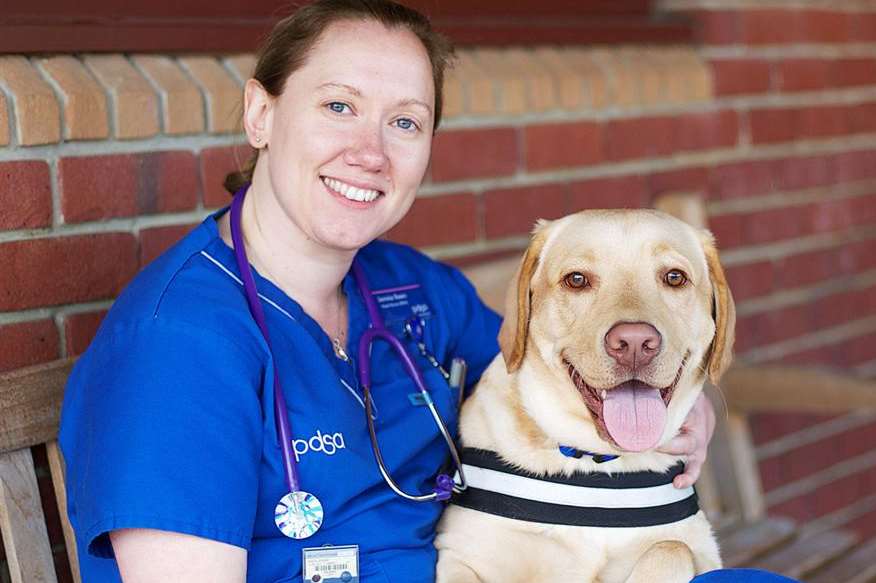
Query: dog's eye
pixel 576 280
pixel 675 278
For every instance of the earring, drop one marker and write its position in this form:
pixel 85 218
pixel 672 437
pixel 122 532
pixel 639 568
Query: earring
pixel 258 139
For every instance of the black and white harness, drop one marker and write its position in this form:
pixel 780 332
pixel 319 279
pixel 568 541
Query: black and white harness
pixel 592 499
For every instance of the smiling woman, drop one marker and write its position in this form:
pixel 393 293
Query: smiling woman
pixel 223 380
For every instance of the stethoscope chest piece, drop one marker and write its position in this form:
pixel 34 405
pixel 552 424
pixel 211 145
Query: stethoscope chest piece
pixel 298 514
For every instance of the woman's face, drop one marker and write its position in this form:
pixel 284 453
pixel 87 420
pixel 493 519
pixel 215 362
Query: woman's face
pixel 350 137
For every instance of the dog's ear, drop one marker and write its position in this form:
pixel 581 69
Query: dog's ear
pixel 515 327
pixel 723 311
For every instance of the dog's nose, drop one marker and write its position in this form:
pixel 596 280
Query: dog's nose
pixel 633 345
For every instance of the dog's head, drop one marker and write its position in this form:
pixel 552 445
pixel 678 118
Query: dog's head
pixel 615 322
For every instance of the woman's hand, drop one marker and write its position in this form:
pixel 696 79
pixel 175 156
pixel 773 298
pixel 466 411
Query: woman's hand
pixel 693 441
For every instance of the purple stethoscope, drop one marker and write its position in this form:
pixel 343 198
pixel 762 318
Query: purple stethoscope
pixel 299 514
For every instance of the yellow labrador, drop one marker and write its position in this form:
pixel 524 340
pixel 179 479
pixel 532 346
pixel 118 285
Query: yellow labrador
pixel 617 319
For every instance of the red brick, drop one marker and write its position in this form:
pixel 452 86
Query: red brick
pixel 741 76
pixel 167 182
pixel 809 460
pixel 686 179
pixel 860 255
pixel 807 268
pixel 705 131
pixel 79 329
pixel 803 172
pixel 155 241
pixel 216 164
pixel 862 209
pixel 859 440
pixel 52 271
pixel 778 325
pixel 830 215
pixel 769 426
pixel 620 192
pixel 822 26
pixel 772 125
pixel 785 323
pixel 751 280
pixel 823 122
pixel 854 72
pixel 25 195
pixel 862 118
pixel 776 224
pixel 762 27
pixel 438 220
pixel 100 187
pixel 729 230
pixel 803 74
pixel 741 179
pixel 644 137
pixel 28 343
pixel 800 509
pixel 864 27
pixel 513 211
pixel 97 187
pixel 854 166
pixel 563 145
pixel 479 153
pixel 717 27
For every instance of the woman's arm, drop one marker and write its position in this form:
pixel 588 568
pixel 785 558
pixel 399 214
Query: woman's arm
pixel 157 556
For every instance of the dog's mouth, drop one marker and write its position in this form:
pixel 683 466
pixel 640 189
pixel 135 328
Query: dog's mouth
pixel 630 415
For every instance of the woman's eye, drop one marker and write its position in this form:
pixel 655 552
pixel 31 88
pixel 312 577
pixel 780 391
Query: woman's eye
pixel 576 280
pixel 407 124
pixel 675 278
pixel 338 107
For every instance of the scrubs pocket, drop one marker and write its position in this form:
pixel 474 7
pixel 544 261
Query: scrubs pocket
pixel 369 572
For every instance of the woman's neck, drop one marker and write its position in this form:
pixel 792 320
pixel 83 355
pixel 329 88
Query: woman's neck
pixel 308 273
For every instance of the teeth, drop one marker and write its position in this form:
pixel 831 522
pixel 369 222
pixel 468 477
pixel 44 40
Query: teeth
pixel 604 393
pixel 351 192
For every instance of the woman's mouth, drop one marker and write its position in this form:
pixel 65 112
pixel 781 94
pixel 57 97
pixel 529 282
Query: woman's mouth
pixel 349 191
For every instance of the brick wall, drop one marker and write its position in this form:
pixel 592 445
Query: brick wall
pixel 106 160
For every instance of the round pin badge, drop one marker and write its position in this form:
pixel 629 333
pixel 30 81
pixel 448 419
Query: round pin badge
pixel 298 514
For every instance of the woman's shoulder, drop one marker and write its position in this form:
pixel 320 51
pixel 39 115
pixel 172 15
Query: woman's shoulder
pixel 192 284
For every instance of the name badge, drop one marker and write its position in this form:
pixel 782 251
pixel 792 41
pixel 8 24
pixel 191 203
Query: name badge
pixel 330 564
pixel 398 304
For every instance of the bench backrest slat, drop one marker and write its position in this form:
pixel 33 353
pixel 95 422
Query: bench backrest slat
pixel 56 468
pixel 22 521
pixel 30 404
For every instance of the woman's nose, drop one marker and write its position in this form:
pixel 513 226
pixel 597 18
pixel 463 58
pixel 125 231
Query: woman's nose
pixel 367 151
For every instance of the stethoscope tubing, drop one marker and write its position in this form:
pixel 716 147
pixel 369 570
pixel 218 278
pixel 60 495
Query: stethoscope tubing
pixel 378 331
pixel 281 419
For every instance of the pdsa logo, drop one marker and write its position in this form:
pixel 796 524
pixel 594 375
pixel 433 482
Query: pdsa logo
pixel 328 443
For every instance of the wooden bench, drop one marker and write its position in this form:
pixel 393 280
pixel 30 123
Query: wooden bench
pixel 730 489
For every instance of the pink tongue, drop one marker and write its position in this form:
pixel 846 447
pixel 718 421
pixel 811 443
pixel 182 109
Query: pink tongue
pixel 634 415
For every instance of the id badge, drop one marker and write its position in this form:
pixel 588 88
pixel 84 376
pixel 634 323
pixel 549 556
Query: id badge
pixel 331 564
pixel 400 303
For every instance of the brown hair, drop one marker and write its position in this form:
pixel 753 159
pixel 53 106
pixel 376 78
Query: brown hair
pixel 287 46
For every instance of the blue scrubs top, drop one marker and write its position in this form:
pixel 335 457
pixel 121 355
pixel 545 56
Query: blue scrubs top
pixel 167 420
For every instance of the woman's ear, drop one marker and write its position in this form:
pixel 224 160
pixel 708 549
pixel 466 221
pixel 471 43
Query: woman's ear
pixel 258 109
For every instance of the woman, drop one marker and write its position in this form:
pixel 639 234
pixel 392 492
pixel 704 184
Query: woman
pixel 168 427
